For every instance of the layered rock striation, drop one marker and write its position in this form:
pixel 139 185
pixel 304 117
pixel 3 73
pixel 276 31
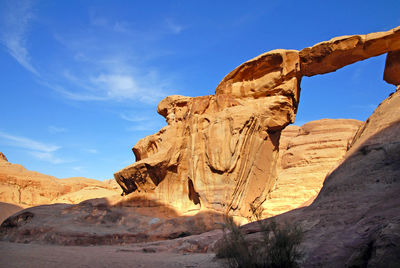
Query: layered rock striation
pixel 219 152
pixel 306 155
pixel 355 220
pixel 26 188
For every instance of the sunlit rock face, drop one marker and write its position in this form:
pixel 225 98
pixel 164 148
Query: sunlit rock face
pixel 328 56
pixel 219 152
pixel 26 188
pixel 306 155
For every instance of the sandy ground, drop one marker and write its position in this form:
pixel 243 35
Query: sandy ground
pixel 34 255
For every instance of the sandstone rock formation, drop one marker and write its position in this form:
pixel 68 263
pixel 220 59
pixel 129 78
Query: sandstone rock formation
pixel 105 221
pixel 3 157
pixel 7 210
pixel 219 152
pixel 392 68
pixel 25 188
pixel 340 51
pixel 355 220
pixel 306 155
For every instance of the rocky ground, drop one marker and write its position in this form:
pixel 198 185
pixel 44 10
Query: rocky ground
pixel 15 255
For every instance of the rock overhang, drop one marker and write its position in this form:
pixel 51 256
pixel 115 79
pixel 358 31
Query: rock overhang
pixel 224 146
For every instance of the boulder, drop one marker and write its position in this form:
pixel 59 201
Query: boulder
pixel 107 221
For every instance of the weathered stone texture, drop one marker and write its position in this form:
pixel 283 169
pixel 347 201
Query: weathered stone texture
pixel 219 152
pixel 392 68
pixel 306 155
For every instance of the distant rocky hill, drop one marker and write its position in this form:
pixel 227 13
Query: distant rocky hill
pixel 24 188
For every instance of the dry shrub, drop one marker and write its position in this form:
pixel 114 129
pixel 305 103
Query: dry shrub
pixel 277 248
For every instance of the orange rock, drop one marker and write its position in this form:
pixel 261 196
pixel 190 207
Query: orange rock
pixel 338 52
pixel 392 68
pixel 306 155
pixel 27 188
pixel 3 157
pixel 355 220
pixel 214 148
pixel 219 152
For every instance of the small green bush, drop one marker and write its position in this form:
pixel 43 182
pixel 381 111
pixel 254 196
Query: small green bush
pixel 277 248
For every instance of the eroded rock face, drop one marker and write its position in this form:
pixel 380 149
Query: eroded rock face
pixel 105 221
pixel 328 56
pixel 3 157
pixel 355 220
pixel 306 155
pixel 392 68
pixel 26 188
pixel 219 152
pixel 216 153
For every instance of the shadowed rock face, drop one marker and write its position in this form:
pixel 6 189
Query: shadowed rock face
pixel 219 152
pixel 355 220
pixel 104 221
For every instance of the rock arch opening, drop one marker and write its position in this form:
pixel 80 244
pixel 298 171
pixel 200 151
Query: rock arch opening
pixel 354 92
pixel 228 143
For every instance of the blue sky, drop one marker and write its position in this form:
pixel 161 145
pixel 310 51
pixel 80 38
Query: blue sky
pixel 81 80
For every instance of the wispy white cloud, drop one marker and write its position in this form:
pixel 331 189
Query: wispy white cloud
pixel 121 26
pixel 15 22
pixel 27 143
pixel 174 27
pixel 114 83
pixel 134 118
pixel 39 150
pixel 98 21
pixel 142 123
pixel 102 71
pixel 77 168
pixel 117 86
pixel 92 151
pixel 54 129
pixel 144 126
pixel 48 157
pixel 357 75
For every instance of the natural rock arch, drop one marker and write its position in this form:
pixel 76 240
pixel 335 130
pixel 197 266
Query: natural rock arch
pixel 227 144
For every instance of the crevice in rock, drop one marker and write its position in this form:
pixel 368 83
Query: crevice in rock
pixel 193 195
